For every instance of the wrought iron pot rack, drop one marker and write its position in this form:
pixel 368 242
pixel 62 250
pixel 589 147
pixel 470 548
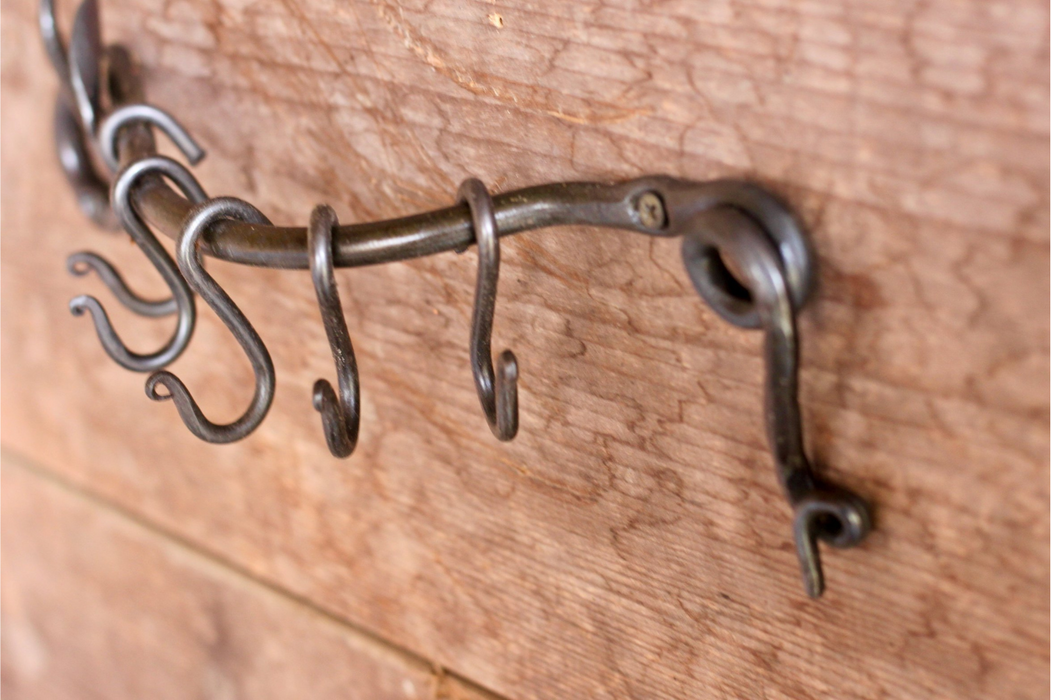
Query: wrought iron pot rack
pixel 101 115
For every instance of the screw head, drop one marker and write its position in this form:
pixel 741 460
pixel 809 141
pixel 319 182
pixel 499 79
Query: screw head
pixel 650 208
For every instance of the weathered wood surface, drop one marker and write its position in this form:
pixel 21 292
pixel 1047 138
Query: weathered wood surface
pixel 631 542
pixel 98 606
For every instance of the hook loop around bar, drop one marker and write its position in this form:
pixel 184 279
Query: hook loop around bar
pixel 189 259
pixel 129 114
pixel 340 415
pixel 497 390
pixel 182 297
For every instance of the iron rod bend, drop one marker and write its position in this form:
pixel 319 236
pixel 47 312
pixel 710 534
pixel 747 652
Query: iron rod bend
pixel 606 205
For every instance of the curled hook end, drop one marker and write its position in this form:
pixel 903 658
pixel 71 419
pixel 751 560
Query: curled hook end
pixel 507 370
pixel 506 426
pixel 188 409
pixel 324 394
pixel 194 153
pixel 79 304
pixel 834 515
pixel 79 264
pixel 157 380
pixel 150 114
pixel 194 418
pixel 110 342
pixel 84 262
pixel 340 440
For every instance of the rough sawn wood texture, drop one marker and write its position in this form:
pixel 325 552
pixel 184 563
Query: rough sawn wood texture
pixel 95 606
pixel 632 541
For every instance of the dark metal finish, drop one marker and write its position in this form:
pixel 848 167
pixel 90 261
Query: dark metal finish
pixel 451 229
pixel 498 394
pixel 78 104
pixel 91 191
pixel 157 255
pixel 53 44
pixel 85 63
pixel 129 114
pixel 744 251
pixel 72 137
pixel 84 262
pixel 822 511
pixel 340 416
pixel 200 219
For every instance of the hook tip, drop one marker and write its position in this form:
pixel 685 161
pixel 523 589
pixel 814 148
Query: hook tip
pixel 77 265
pixel 506 425
pixel 324 395
pixel 807 551
pixel 507 366
pixel 340 437
pixel 79 304
pixel 159 379
pixel 815 585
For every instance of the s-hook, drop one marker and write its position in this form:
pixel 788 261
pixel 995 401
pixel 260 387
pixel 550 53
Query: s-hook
pixel 200 219
pixel 725 224
pixel 340 416
pixel 134 113
pixel 498 394
pixel 181 296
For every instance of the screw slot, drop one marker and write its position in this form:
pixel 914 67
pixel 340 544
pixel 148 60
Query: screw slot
pixel 650 208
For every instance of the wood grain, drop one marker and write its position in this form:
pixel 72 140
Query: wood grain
pixel 97 606
pixel 631 542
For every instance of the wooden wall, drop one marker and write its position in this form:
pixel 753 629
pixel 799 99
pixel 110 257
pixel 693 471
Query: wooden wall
pixel 632 541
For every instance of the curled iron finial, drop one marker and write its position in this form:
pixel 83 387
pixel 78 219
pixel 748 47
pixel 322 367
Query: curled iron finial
pixel 189 258
pixel 84 262
pixel 157 255
pixel 498 392
pixel 763 298
pixel 340 416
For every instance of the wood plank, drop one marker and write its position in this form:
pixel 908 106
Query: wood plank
pixel 631 542
pixel 95 605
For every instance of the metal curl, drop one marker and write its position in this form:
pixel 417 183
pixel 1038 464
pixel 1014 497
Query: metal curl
pixel 833 515
pixel 155 252
pixel 340 416
pixel 498 394
pixel 84 262
pixel 150 114
pixel 189 258
pixel 822 511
